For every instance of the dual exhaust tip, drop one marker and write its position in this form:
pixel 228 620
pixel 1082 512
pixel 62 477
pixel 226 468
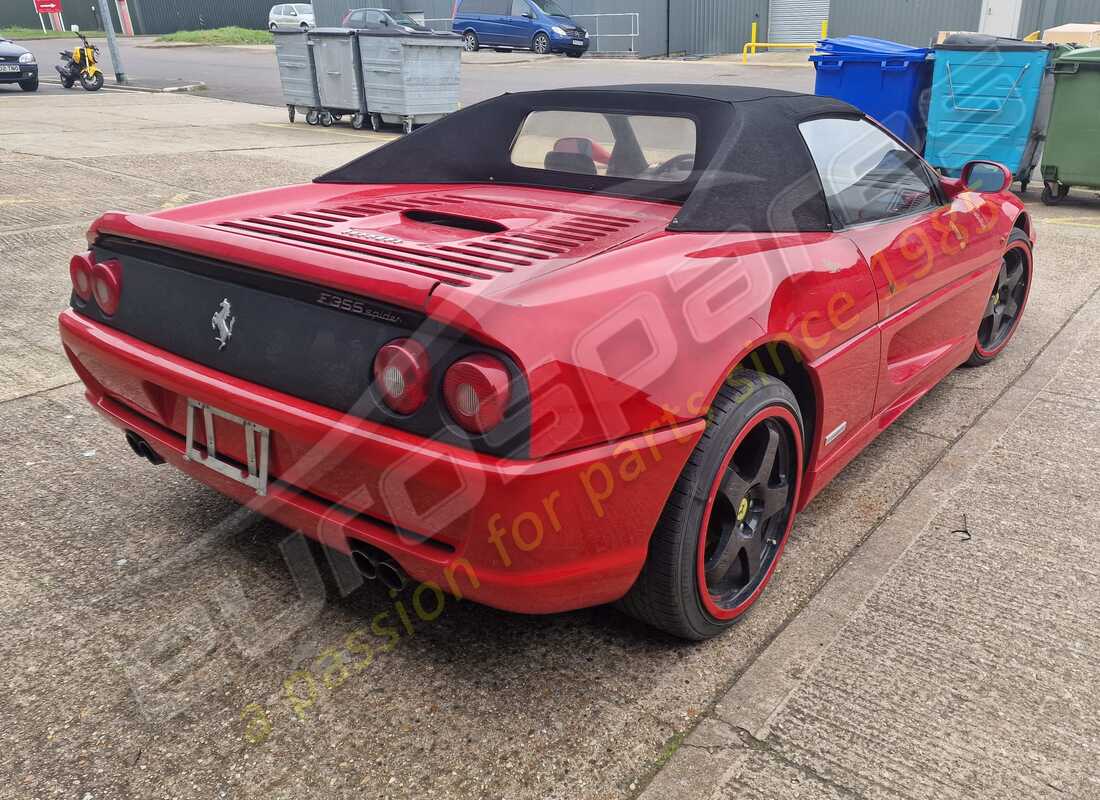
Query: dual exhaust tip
pixel 143 449
pixel 372 563
pixel 375 565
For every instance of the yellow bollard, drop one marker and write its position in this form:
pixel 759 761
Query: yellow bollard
pixel 751 44
pixel 824 29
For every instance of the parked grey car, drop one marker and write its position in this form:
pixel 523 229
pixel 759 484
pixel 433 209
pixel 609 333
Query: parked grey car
pixel 291 16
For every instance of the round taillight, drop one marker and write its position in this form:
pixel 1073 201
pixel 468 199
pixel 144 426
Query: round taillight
pixel 477 389
pixel 401 372
pixel 107 285
pixel 80 272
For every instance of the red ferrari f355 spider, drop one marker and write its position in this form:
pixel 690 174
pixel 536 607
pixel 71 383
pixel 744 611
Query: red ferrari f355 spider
pixel 561 348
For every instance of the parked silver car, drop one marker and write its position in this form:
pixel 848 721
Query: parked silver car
pixel 291 16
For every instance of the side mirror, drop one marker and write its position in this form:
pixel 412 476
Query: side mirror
pixel 528 14
pixel 985 176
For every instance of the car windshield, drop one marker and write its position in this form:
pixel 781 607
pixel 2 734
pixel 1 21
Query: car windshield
pixel 633 146
pixel 550 8
pixel 401 18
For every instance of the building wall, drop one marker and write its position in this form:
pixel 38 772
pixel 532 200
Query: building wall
pixel 651 28
pixel 74 12
pixel 707 27
pixel 20 14
pixel 166 16
pixel 913 22
pixel 694 27
pixel 1041 14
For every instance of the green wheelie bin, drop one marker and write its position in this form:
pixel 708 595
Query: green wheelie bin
pixel 1071 156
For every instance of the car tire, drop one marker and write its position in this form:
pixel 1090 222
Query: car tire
pixel 699 576
pixel 94 84
pixel 304 27
pixel 273 27
pixel 29 85
pixel 541 44
pixel 470 42
pixel 1013 286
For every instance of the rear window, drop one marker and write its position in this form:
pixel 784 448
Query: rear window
pixel 631 146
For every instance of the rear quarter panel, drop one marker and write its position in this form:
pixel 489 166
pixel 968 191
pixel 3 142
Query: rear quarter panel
pixel 643 336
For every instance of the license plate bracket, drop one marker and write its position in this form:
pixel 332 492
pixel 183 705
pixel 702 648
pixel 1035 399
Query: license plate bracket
pixel 10 68
pixel 257 442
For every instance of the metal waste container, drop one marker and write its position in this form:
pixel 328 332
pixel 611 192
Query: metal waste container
pixel 339 81
pixel 1071 155
pixel 883 79
pixel 410 78
pixel 986 94
pixel 294 55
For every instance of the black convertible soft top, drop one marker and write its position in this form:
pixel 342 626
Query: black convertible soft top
pixel 752 169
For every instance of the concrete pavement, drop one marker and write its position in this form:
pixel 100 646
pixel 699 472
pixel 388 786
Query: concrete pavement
pixel 954 655
pixel 479 703
pixel 248 74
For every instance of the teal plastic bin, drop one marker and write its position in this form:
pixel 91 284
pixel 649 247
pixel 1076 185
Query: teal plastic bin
pixel 986 98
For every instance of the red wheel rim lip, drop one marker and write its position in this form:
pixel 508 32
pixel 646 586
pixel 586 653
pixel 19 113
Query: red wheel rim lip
pixel 700 578
pixel 1019 314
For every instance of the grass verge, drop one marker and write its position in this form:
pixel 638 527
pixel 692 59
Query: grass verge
pixel 232 35
pixel 38 33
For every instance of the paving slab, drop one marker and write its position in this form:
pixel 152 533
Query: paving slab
pixel 952 656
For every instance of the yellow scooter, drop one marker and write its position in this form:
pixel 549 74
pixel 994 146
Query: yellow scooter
pixel 81 65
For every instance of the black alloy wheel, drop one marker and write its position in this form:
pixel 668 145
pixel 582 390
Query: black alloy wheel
pixel 728 518
pixel 1006 302
pixel 749 515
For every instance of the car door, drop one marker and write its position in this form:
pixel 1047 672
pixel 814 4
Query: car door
pixel 928 257
pixel 278 15
pixel 373 20
pixel 495 19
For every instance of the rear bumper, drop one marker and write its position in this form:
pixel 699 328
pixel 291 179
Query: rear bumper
pixel 567 531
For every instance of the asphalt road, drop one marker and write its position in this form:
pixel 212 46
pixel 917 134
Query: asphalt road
pixel 248 74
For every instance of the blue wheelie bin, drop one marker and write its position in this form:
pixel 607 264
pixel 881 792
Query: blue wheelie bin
pixel 885 80
pixel 991 101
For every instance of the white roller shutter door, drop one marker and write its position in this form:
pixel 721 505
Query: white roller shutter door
pixel 796 20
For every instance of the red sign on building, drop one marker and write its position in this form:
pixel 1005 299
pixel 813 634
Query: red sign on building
pixel 47 6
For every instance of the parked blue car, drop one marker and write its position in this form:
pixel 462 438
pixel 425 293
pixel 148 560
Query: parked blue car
pixel 538 25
